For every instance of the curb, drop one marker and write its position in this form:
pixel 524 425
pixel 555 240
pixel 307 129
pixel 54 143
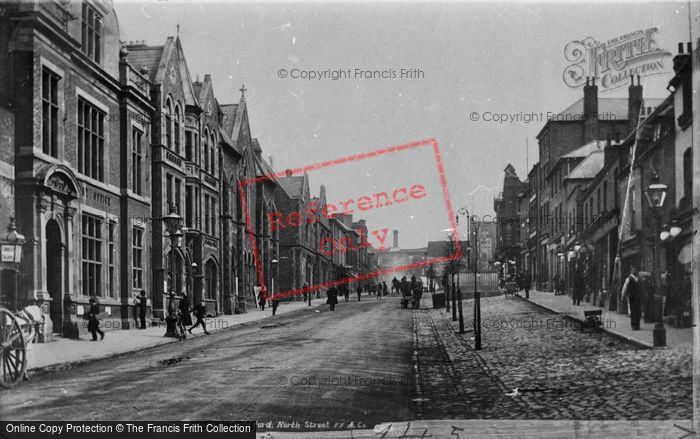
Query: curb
pixel 68 365
pixel 619 336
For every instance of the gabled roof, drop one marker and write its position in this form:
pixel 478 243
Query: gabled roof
pixel 229 111
pixel 156 59
pixel 294 185
pixel 589 167
pixel 585 150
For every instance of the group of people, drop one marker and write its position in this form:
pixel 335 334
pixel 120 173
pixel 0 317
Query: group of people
pixel 410 290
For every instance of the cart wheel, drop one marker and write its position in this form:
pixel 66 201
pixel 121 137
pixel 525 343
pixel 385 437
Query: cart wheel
pixel 14 350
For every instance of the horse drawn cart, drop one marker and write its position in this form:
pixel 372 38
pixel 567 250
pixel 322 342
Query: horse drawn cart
pixel 16 332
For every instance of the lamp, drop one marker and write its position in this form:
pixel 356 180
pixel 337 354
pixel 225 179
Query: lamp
pixel 16 240
pixel 656 192
pixel 173 225
pixel 675 230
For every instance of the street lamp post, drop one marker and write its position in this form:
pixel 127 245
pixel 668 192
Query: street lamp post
pixel 173 226
pixel 477 294
pixel 12 252
pixel 656 195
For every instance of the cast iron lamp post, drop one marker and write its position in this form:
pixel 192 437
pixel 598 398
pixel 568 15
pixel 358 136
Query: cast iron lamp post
pixel 656 195
pixel 173 226
pixel 13 243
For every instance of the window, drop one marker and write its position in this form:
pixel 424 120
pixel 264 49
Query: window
pixel 188 146
pixel 168 192
pixel 206 213
pixel 168 124
pixel 137 257
pixel 92 255
pixel 189 207
pixel 177 183
pixel 91 32
pixel 210 279
pixel 136 161
pixel 49 117
pixel 212 154
pixel 177 129
pixel 110 258
pixel 205 161
pixel 688 174
pixel 213 215
pixel 91 141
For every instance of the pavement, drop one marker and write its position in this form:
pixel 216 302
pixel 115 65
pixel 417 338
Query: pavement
pixel 69 352
pixel 615 324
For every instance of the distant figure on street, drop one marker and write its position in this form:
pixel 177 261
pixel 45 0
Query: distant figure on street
pixel 416 291
pixel 184 308
pixel 385 289
pixel 332 300
pixel 578 286
pixel 261 300
pixel 395 285
pixel 346 292
pixel 632 292
pixel 379 291
pixel 199 312
pixel 93 320
pixel 527 284
pixel 275 304
pixel 142 305
pixel 359 292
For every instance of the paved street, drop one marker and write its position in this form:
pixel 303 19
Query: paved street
pixel 560 372
pixel 352 369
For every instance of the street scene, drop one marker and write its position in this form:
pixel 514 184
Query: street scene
pixel 349 220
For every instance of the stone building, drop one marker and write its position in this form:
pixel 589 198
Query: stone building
pixel 75 119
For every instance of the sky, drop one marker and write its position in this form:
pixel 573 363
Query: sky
pixel 466 58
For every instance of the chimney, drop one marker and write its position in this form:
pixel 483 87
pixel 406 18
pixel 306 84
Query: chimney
pixel 634 103
pixel 680 59
pixel 590 99
pixel 609 152
pixel 590 110
pixel 396 239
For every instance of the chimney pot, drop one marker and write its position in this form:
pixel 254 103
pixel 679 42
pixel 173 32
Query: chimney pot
pixel 680 47
pixel 690 47
pixel 396 239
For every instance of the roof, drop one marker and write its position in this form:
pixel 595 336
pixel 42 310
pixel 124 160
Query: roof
pixel 229 111
pixel 585 150
pixel 141 55
pixel 294 186
pixel 438 249
pixel 589 167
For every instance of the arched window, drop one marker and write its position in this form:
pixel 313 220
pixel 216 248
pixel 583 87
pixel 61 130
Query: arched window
pixel 205 147
pixel 210 279
pixel 168 124
pixel 177 122
pixel 212 154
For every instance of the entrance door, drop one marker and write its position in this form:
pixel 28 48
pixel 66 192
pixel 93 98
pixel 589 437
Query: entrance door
pixel 54 278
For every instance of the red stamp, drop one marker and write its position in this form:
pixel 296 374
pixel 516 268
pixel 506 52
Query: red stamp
pixel 403 196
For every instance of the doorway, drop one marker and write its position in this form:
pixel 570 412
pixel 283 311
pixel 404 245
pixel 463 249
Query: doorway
pixel 54 278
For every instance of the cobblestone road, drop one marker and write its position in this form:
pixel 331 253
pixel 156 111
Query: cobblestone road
pixel 560 372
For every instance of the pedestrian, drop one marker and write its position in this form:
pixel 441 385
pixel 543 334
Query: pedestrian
pixel 184 308
pixel 416 292
pixel 359 292
pixel 578 285
pixel 261 300
pixel 275 304
pixel 379 291
pixel 346 292
pixel 632 292
pixel 395 285
pixel 332 300
pixel 385 288
pixel 527 284
pixel 93 320
pixel 141 303
pixel 200 311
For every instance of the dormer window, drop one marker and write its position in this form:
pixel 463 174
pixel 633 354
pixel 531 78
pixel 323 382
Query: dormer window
pixel 91 32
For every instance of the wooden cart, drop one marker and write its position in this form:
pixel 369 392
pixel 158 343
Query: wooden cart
pixel 14 347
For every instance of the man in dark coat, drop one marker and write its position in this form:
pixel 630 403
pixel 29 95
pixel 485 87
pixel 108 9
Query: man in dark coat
pixel 200 311
pixel 578 285
pixel 346 292
pixel 359 292
pixel 527 284
pixel 395 285
pixel 142 307
pixel 184 308
pixel 332 300
pixel 93 321
pixel 385 289
pixel 632 292
pixel 275 304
